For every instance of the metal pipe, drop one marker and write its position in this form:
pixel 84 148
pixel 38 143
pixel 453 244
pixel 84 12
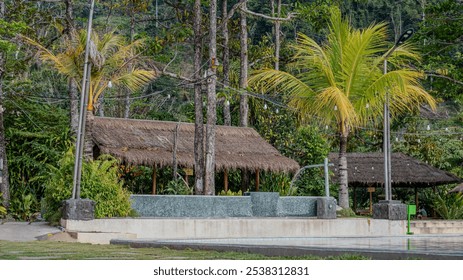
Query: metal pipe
pixel 385 139
pixel 387 125
pixel 83 101
pixel 327 180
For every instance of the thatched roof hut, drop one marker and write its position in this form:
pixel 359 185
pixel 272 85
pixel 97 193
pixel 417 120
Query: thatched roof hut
pixel 149 142
pixel 367 169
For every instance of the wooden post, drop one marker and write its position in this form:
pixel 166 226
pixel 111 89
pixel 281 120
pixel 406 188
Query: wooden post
pixel 225 180
pixel 355 199
pixel 416 197
pixel 257 180
pixel 371 190
pixel 371 203
pixel 154 179
pixel 174 152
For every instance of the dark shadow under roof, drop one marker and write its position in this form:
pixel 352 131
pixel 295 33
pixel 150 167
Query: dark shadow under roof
pixel 365 169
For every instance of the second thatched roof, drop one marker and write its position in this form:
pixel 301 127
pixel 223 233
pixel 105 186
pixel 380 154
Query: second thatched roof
pixel 368 169
pixel 148 142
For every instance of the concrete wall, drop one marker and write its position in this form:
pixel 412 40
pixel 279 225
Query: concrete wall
pixel 257 204
pixel 192 228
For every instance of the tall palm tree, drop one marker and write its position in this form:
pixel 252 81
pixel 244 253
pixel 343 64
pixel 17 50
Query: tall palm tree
pixel 113 63
pixel 342 81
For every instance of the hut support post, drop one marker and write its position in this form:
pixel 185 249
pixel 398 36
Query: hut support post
pixel 371 203
pixel 154 180
pixel 416 197
pixel 174 153
pixel 355 199
pixel 225 180
pixel 257 180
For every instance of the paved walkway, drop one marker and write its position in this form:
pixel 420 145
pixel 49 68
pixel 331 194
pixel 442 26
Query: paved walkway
pixel 23 231
pixel 385 247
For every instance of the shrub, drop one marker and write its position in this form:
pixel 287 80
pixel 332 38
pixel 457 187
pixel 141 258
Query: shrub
pixel 2 208
pixel 178 187
pixel 230 193
pixel 23 205
pixel 448 206
pixel 100 183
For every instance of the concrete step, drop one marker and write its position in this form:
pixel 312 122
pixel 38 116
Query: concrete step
pixel 437 227
pixel 438 230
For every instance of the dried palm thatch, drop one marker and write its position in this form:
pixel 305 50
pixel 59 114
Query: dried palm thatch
pixel 366 169
pixel 148 142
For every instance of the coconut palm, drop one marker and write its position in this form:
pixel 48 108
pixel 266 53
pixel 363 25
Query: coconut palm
pixel 113 63
pixel 342 81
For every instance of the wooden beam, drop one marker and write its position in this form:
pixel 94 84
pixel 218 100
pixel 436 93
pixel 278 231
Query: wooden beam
pixel 416 198
pixel 154 180
pixel 257 180
pixel 225 180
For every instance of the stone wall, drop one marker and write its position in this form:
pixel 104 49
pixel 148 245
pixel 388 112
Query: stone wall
pixel 257 204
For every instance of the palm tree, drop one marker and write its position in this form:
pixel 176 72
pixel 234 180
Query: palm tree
pixel 113 63
pixel 342 81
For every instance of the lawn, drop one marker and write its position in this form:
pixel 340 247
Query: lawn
pixel 53 250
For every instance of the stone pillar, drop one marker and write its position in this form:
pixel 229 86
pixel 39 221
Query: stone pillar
pixel 78 209
pixel 390 210
pixel 326 208
pixel 264 204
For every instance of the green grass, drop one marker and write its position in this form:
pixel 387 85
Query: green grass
pixel 52 250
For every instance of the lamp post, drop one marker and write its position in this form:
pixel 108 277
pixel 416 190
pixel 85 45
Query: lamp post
pixel 77 208
pixel 82 116
pixel 387 125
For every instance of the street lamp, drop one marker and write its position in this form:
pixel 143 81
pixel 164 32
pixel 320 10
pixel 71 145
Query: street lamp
pixel 82 116
pixel 387 126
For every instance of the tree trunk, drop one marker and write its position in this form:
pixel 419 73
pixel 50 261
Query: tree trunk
pixel 88 137
pixel 226 64
pixel 343 179
pixel 243 68
pixel 101 105
pixel 199 119
pixel 277 37
pixel 72 85
pixel 4 177
pixel 69 17
pixel 74 105
pixel 245 175
pixel 209 186
pixel 132 35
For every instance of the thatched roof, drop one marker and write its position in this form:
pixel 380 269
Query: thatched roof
pixel 368 169
pixel 148 142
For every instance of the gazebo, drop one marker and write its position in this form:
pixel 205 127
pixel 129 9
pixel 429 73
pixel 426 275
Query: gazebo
pixel 367 170
pixel 160 143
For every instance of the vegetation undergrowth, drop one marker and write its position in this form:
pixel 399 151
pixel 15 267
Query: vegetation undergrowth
pixel 100 183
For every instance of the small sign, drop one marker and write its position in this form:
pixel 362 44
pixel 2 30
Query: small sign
pixel 370 189
pixel 188 171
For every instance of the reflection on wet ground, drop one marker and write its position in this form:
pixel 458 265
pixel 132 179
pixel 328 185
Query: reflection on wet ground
pixel 449 245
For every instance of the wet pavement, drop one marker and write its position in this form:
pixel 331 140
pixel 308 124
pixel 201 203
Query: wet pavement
pixel 385 247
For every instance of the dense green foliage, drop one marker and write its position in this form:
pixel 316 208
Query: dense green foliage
pixel 447 206
pixel 39 134
pixel 100 183
pixel 37 101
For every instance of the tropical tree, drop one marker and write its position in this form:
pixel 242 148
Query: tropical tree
pixel 113 63
pixel 342 81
